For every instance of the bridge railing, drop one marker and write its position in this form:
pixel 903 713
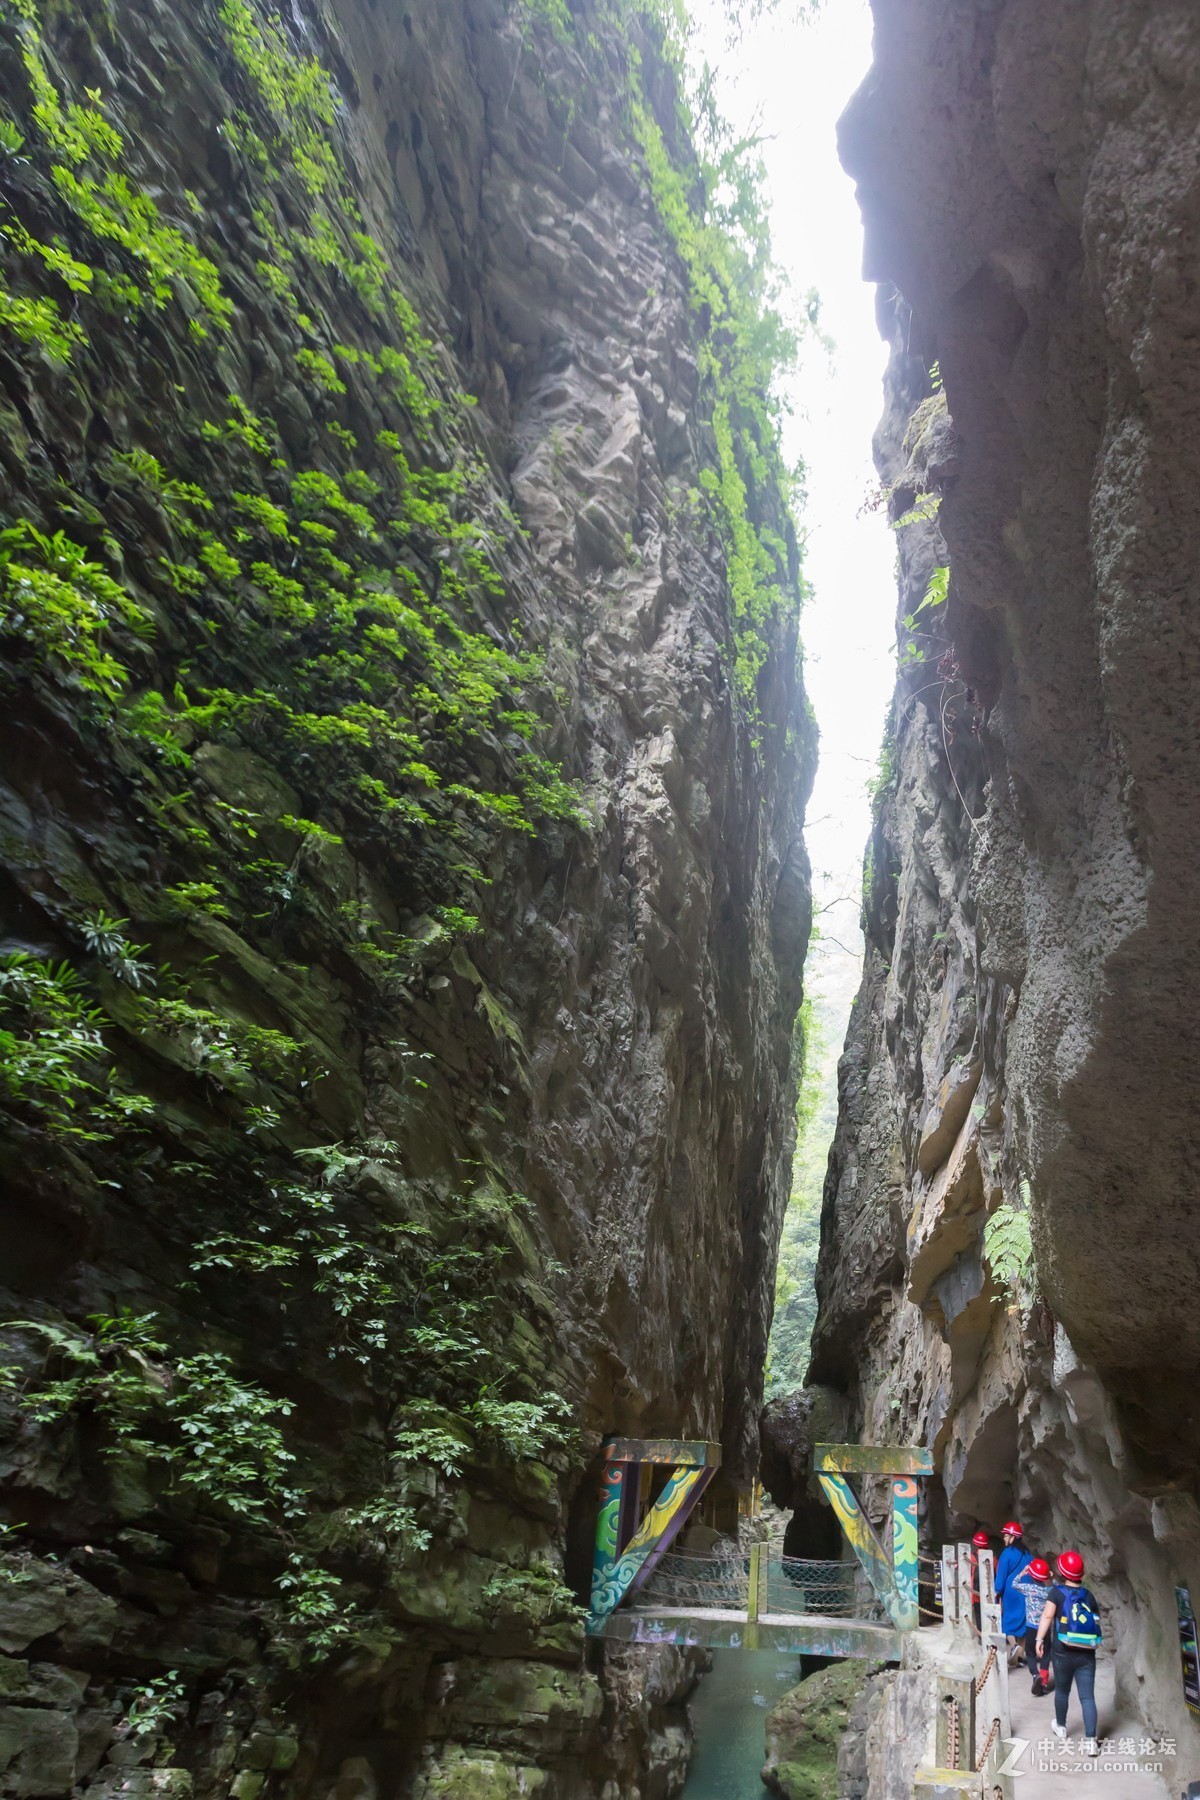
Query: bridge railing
pixel 688 1579
pixel 834 1590
pixel 969 1721
pixel 793 1585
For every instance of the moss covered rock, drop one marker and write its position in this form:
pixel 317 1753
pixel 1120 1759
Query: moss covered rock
pixel 462 1776
pixel 805 1729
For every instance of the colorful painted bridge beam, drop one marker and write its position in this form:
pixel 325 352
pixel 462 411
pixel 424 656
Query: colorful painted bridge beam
pixel 678 1452
pixel 622 1563
pixel 906 1615
pixel 860 1535
pixel 618 1479
pixel 872 1459
pixel 893 1578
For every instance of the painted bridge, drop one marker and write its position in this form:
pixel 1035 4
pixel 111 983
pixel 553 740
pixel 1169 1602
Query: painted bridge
pixel 645 1590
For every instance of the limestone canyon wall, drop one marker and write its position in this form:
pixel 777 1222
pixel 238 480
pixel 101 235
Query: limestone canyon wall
pixel 1023 1050
pixel 404 902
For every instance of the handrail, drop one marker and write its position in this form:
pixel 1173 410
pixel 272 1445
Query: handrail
pixel 755 1580
pixel 971 1721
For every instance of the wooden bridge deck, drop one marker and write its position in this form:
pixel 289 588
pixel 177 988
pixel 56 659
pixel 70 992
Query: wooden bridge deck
pixel 722 1628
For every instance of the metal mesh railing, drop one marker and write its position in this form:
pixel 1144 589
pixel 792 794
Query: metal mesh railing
pixel 680 1579
pixel 793 1585
pixel 835 1590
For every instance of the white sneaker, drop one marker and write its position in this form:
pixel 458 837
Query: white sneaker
pixel 1090 1747
pixel 1060 1732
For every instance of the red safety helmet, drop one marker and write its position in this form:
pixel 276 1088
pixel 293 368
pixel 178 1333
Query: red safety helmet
pixel 1070 1564
pixel 1039 1569
pixel 982 1541
pixel 1013 1527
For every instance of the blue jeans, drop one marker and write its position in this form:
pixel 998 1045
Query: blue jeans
pixel 1036 1668
pixel 1079 1667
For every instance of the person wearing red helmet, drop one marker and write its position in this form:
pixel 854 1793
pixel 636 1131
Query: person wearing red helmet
pixel 1012 1559
pixel 980 1541
pixel 1031 1584
pixel 1072 1611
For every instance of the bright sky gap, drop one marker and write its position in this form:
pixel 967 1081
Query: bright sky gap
pixel 788 80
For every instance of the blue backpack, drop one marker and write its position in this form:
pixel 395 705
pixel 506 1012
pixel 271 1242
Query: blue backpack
pixel 1078 1621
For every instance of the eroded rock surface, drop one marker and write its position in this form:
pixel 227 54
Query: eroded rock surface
pixel 790 1426
pixel 1023 1039
pixel 382 768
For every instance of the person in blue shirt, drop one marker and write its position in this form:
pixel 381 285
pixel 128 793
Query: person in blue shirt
pixel 1012 1560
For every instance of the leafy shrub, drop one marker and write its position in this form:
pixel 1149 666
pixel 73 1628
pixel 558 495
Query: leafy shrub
pixel 53 1060
pixel 1008 1246
pixel 64 605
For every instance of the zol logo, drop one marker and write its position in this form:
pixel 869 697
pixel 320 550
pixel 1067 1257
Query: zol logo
pixel 1018 1747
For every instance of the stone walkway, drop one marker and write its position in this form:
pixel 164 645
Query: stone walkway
pixel 1070 1775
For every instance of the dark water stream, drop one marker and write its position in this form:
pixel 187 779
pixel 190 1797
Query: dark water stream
pixel 729 1710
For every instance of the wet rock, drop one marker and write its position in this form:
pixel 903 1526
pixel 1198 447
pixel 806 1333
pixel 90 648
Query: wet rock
pixel 790 1426
pixel 461 1775
pixel 646 1714
pixel 805 1729
pixel 37 1751
pixel 43 1600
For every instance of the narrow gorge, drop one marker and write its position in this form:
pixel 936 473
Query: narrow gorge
pixel 405 902
pixel 405 898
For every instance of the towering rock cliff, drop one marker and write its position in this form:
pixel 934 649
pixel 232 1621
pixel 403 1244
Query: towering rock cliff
pixel 404 899
pixel 1022 1057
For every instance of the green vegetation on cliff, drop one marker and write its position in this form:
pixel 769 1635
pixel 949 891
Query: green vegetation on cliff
pixel 830 976
pixel 707 186
pixel 723 238
pixel 285 706
pixel 795 1295
pixel 293 645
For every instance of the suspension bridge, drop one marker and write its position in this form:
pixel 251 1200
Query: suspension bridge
pixel 650 1588
pixel 756 1601
pixel 645 1590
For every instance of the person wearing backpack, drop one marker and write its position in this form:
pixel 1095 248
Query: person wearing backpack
pixel 1072 1612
